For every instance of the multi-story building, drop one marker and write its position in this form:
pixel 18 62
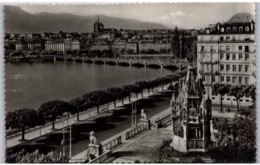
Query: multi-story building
pixel 132 47
pixel 119 47
pixel 99 45
pixel 56 45
pixel 156 47
pixel 21 45
pixel 35 45
pixel 75 45
pixel 226 55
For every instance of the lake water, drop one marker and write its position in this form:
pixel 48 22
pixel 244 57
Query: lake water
pixel 30 84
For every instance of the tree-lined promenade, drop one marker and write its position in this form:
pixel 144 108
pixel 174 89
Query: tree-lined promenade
pixel 50 111
pixel 106 124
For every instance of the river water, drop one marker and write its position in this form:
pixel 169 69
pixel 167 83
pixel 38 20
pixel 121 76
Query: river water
pixel 30 84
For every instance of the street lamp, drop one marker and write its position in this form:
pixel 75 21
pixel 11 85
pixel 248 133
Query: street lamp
pixel 63 142
pixel 134 123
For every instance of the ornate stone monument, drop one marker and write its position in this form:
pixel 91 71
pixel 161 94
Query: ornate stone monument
pixel 191 116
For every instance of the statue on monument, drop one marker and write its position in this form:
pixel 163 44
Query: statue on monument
pixel 92 138
pixel 143 115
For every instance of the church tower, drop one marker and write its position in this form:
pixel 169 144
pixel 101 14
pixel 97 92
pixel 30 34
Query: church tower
pixel 98 26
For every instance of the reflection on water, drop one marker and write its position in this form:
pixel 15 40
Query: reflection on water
pixel 29 85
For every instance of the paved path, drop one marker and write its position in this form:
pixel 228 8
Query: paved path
pixel 37 132
pixel 82 154
pixel 143 148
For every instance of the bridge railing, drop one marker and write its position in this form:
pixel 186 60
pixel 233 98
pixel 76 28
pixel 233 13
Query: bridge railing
pixel 136 130
pixel 112 143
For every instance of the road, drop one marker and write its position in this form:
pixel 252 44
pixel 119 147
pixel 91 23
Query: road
pixel 105 125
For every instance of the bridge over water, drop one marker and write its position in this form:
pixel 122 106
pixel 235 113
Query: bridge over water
pixel 132 62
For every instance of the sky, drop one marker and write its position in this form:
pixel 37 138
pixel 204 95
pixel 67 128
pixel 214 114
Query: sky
pixel 184 15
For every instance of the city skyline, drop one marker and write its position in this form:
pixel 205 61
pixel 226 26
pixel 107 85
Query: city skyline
pixel 169 15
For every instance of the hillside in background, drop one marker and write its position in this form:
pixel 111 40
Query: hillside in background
pixel 17 20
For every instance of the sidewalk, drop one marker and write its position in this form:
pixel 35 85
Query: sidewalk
pixel 142 149
pixel 37 132
pixel 82 155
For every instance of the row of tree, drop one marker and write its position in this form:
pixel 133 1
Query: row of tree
pixel 237 91
pixel 50 111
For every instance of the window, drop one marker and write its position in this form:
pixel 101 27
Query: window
pixel 221 38
pixel 247 29
pixel 246 68
pixel 222 78
pixel 234 80
pixel 222 29
pixel 240 48
pixel 246 48
pixel 234 38
pixel 240 29
pixel 213 78
pixel 227 48
pixel 240 80
pixel 246 80
pixel 228 56
pixel 221 67
pixel 234 29
pixel 221 56
pixel 228 79
pixel 203 77
pixel 240 68
pixel 221 48
pixel 234 68
pixel 228 29
pixel 228 67
pixel 247 38
pixel 240 56
pixel 212 49
pixel 246 56
pixel 234 57
pixel 228 38
pixel 202 48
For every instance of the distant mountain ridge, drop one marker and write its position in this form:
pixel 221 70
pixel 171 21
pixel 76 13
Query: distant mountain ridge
pixel 19 21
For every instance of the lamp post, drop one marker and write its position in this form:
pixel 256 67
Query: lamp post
pixel 63 142
pixel 132 114
pixel 70 140
pixel 135 114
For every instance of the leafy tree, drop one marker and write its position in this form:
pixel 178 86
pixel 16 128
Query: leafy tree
pixel 114 94
pixel 129 89
pixel 79 103
pixel 36 157
pixel 222 90
pixel 252 93
pixel 176 42
pixel 238 140
pixel 22 119
pixel 143 85
pixel 51 110
pixel 97 98
pixel 236 91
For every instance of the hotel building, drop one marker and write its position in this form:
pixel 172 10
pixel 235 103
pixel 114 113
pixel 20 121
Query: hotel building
pixel 226 55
